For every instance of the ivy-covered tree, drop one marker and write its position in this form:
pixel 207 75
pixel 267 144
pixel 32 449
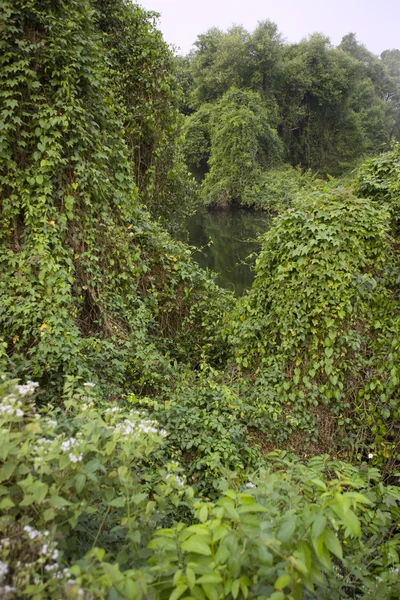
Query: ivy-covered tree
pixel 86 277
pixel 149 96
pixel 243 142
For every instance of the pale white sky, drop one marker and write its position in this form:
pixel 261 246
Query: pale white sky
pixel 376 23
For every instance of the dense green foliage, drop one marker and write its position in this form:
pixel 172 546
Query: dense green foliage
pixel 148 98
pixel 379 179
pixel 86 278
pixel 329 106
pixel 243 141
pixel 137 465
pixel 321 326
pixel 87 511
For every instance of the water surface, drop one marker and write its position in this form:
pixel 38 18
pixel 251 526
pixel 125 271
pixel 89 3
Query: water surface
pixel 225 239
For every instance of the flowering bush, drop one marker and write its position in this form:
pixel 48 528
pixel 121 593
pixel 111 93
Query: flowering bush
pixel 87 511
pixel 72 479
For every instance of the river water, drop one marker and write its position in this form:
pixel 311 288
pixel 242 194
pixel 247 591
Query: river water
pixel 225 239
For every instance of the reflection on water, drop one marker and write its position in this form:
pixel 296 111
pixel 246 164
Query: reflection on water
pixel 233 236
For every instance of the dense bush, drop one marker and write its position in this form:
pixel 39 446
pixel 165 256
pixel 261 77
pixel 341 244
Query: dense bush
pixel 207 423
pixel 379 179
pixel 88 511
pixel 243 142
pixel 138 468
pixel 320 327
pixel 73 479
pixel 87 279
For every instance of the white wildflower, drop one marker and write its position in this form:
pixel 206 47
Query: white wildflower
pixel 249 485
pixel 11 407
pixel 74 459
pixel 5 590
pixel 89 384
pixel 45 549
pixel 3 570
pixel 28 388
pixel 43 441
pixel 50 568
pixel 370 455
pixel 67 445
pixel 175 479
pixel 32 533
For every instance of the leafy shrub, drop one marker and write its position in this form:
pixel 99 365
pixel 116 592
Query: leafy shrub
pixel 197 142
pixel 279 187
pixel 84 515
pixel 75 479
pixel 208 434
pixel 321 324
pixel 379 180
pixel 320 530
pixel 73 294
pixel 243 142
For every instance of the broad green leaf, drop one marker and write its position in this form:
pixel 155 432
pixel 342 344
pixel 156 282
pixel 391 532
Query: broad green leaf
pixel 196 544
pixel 191 577
pixel 282 582
pixel 318 525
pixel 332 543
pixel 181 589
pixel 287 528
pixel 118 502
pixel 210 578
pixel 210 591
pixel 251 508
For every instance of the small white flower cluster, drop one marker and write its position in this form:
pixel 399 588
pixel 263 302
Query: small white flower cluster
pixel 172 478
pixel 68 444
pixel 370 455
pixel 5 590
pixel 50 551
pixel 33 533
pixel 86 406
pixel 130 427
pixel 44 442
pixel 11 407
pixel 148 427
pixel 3 570
pixel 249 485
pixel 114 409
pixel 89 384
pixel 74 458
pixel 28 388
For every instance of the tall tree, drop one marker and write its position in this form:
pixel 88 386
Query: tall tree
pixel 243 142
pixel 149 97
pixel 221 61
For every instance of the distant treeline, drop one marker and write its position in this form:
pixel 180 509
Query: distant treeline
pixel 253 102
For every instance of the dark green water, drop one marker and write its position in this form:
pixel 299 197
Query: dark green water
pixel 225 239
